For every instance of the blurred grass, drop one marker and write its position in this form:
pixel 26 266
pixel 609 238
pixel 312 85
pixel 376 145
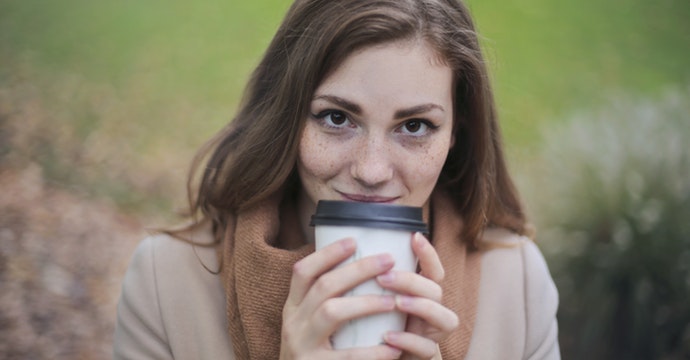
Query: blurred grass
pixel 113 98
pixel 551 58
pixel 202 49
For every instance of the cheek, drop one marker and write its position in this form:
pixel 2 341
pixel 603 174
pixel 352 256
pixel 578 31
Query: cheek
pixel 316 156
pixel 427 169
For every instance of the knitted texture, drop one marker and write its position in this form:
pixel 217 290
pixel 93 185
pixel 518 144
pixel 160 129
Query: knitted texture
pixel 263 243
pixel 462 276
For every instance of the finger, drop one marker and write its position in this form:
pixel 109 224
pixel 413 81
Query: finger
pixel 379 352
pixel 429 261
pixel 338 281
pixel 336 311
pixel 307 270
pixel 435 314
pixel 409 283
pixel 414 344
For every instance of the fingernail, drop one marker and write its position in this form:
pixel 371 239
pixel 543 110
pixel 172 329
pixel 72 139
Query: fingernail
pixel 419 238
pixel 386 278
pixel 385 260
pixel 348 244
pixel 403 301
pixel 391 336
pixel 388 301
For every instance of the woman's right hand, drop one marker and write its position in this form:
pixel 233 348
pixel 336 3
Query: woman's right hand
pixel 314 308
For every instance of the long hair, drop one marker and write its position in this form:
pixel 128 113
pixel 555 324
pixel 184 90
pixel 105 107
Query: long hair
pixel 255 156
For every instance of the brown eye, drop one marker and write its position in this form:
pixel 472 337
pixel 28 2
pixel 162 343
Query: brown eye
pixel 413 126
pixel 333 119
pixel 417 127
pixel 337 118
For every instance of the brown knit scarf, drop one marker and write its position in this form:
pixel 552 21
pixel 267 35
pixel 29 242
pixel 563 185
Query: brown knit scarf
pixel 262 244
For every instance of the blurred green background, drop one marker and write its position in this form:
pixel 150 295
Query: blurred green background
pixel 105 103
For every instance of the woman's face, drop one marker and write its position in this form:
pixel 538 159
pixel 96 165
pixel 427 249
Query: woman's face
pixel 380 128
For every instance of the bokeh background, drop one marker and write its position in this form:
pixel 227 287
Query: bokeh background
pixel 103 104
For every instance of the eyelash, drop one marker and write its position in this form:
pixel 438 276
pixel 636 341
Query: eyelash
pixel 321 117
pixel 429 125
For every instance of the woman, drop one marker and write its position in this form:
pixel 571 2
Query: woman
pixel 359 100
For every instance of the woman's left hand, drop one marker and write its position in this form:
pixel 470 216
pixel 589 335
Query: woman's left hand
pixel 429 322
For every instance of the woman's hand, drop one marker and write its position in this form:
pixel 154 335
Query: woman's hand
pixel 314 309
pixel 428 321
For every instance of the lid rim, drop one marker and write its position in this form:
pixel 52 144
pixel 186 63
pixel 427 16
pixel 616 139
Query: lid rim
pixel 389 216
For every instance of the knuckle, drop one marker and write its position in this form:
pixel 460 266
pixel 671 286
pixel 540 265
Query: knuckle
pixel 324 286
pixel 437 293
pixel 430 352
pixel 455 321
pixel 299 270
pixel 330 311
pixel 452 322
pixel 429 349
pixel 288 316
pixel 441 274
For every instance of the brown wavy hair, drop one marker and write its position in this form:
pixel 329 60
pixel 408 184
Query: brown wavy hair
pixel 254 157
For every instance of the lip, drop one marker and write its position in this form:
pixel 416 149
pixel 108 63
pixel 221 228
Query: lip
pixel 368 198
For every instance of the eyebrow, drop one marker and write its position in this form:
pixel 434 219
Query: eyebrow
pixel 416 110
pixel 345 104
pixel 400 114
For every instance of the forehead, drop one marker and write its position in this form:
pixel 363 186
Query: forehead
pixel 435 56
pixel 405 68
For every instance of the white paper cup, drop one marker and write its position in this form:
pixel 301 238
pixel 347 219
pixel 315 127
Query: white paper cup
pixel 377 229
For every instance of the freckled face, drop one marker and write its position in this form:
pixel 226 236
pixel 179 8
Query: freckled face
pixel 380 128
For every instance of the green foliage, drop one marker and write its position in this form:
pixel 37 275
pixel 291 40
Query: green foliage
pixel 614 210
pixel 111 99
pixel 554 57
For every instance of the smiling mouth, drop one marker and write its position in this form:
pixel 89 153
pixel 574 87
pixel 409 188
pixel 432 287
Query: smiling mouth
pixel 368 198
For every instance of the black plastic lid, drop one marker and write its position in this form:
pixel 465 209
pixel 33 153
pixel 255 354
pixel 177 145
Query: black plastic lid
pixel 382 216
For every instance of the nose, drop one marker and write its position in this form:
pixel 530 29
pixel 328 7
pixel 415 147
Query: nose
pixel 372 165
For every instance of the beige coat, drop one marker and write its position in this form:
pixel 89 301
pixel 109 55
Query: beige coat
pixel 171 307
